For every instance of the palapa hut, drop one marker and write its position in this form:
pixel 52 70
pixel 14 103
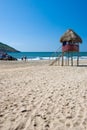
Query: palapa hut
pixel 70 43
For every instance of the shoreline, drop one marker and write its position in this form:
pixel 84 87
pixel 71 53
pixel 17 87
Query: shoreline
pixel 40 62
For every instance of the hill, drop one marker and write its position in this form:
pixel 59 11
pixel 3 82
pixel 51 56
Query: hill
pixel 6 48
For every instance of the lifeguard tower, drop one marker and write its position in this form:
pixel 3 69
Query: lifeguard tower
pixel 70 44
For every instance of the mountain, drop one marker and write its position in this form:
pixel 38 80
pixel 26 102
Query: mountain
pixel 6 48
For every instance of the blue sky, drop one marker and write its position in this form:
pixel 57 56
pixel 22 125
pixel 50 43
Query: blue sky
pixel 37 25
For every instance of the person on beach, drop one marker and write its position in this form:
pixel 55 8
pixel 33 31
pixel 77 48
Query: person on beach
pixel 24 58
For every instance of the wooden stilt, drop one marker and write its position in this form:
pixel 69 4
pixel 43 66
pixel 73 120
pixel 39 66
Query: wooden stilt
pixel 78 59
pixel 72 59
pixel 66 61
pixel 68 58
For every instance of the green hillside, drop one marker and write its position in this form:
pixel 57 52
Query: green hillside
pixel 6 48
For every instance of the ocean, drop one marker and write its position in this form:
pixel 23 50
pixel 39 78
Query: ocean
pixel 44 55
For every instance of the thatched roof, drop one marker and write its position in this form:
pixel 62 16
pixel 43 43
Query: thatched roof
pixel 70 36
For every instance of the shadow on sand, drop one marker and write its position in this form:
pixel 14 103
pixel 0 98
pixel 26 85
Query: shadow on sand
pixel 82 66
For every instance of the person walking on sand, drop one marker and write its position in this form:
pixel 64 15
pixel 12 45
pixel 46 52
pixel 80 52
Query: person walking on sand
pixel 25 58
pixel 22 58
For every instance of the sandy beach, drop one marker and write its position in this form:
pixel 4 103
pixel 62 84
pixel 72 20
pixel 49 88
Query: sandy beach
pixel 36 96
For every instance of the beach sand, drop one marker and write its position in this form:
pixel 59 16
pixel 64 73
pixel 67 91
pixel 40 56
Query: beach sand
pixel 36 96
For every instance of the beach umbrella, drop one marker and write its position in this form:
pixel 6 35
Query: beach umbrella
pixel 71 37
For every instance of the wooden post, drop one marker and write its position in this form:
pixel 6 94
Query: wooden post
pixel 78 59
pixel 68 58
pixel 72 59
pixel 62 59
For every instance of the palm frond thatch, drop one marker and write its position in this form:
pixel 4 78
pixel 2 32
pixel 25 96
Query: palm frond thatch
pixel 71 36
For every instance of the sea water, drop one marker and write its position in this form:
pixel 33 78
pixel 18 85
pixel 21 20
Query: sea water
pixel 44 55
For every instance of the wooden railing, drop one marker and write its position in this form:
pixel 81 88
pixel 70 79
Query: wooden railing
pixel 57 55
